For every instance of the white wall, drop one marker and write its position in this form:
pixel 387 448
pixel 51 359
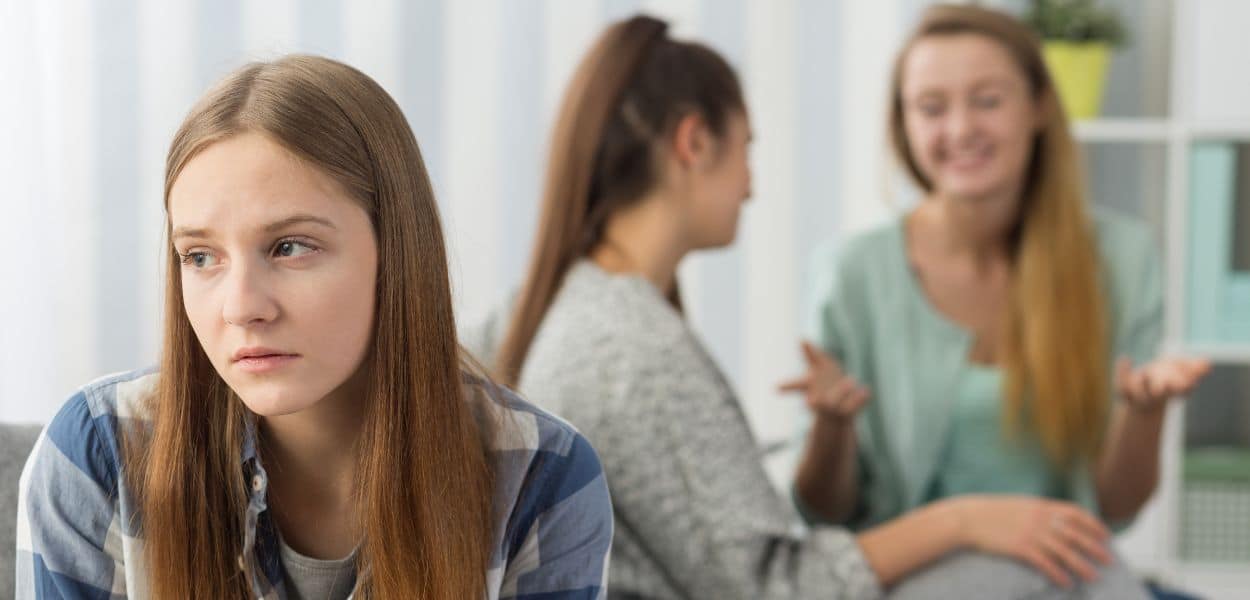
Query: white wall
pixel 479 81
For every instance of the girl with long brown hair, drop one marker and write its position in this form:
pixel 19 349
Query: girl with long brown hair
pixel 648 164
pixel 313 430
pixel 986 321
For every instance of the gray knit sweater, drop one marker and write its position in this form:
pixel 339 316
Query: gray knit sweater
pixel 696 516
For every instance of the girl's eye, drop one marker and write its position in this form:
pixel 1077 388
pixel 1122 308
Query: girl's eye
pixel 292 248
pixel 930 109
pixel 199 260
pixel 986 102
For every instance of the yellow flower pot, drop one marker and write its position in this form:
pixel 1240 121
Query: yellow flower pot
pixel 1079 70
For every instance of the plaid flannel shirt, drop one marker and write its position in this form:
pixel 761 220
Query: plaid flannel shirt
pixel 79 533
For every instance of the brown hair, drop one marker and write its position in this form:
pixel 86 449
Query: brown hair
pixel 425 483
pixel 1055 344
pixel 628 93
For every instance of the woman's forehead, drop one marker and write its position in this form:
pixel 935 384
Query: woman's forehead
pixel 957 61
pixel 249 181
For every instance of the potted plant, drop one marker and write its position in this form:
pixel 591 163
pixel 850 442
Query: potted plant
pixel 1077 39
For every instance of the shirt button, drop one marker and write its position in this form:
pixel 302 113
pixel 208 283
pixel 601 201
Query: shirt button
pixel 257 483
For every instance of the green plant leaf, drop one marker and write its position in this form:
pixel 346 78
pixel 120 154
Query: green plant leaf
pixel 1076 21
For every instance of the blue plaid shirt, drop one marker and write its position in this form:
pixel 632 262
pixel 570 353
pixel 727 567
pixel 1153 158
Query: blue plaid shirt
pixel 78 535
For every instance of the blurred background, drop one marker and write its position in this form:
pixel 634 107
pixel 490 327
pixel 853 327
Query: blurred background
pixel 93 90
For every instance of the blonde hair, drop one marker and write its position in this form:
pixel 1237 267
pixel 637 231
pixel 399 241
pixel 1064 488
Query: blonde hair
pixel 1055 341
pixel 425 483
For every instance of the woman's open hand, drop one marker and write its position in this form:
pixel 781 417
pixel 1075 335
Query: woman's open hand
pixel 828 391
pixel 1149 387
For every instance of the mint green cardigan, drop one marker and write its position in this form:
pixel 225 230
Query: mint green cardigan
pixel 932 428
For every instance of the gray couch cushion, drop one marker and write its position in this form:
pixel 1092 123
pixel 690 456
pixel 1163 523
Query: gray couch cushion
pixel 15 444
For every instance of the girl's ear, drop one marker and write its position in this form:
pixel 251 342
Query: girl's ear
pixel 692 143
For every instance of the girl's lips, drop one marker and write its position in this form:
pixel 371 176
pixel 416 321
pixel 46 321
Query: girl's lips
pixel 968 160
pixel 265 363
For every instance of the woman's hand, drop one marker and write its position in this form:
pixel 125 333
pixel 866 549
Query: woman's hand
pixel 1149 387
pixel 828 391
pixel 1054 537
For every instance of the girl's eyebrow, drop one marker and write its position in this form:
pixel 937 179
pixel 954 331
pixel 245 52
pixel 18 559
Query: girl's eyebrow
pixel 297 219
pixel 928 94
pixel 991 82
pixel 181 232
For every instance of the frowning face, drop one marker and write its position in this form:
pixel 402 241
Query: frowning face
pixel 279 268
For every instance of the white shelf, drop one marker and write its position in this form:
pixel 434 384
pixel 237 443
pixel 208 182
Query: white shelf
pixel 1234 130
pixel 1124 130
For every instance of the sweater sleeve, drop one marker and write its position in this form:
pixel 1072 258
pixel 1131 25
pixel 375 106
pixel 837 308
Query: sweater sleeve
pixel 838 322
pixel 838 301
pixel 1141 322
pixel 688 483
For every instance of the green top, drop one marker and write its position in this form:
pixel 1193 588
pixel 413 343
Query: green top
pixel 932 428
pixel 1016 466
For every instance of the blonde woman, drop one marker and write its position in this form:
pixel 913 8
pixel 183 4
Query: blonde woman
pixel 312 431
pixel 1006 335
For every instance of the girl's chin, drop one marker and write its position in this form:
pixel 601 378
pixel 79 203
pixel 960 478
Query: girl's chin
pixel 271 410
pixel 277 401
pixel 971 189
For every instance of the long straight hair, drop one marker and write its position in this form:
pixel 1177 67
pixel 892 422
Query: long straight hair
pixel 627 94
pixel 424 478
pixel 1055 339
